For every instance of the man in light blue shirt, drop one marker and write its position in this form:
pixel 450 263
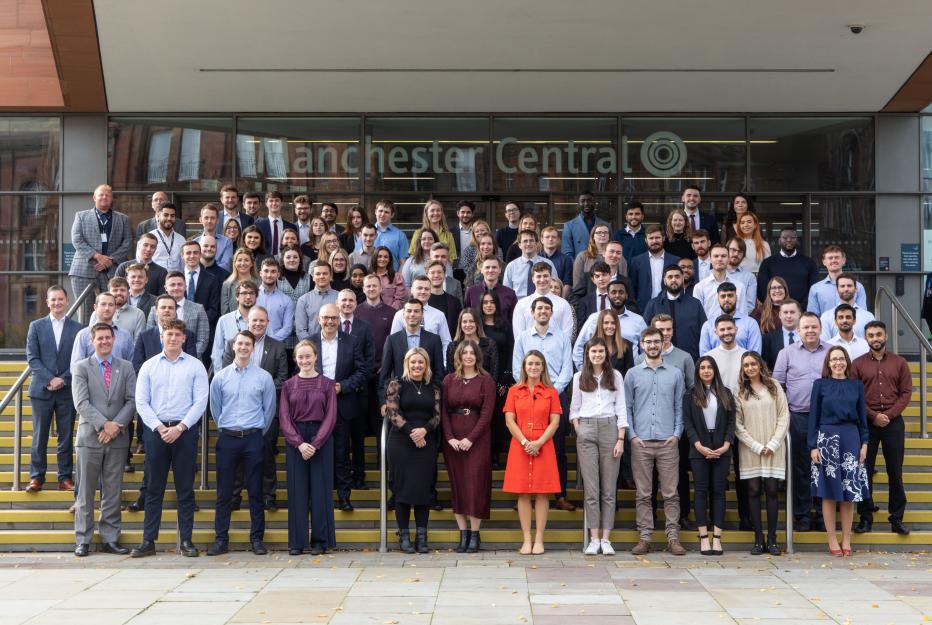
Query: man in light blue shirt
pixel 518 274
pixel 104 310
pixel 737 250
pixel 234 321
pixel 846 289
pixel 242 403
pixel 576 231
pixel 171 397
pixel 823 295
pixel 388 235
pixel 748 332
pixel 210 214
pixel 281 307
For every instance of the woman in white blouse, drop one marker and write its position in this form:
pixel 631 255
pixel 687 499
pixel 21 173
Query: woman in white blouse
pixel 597 412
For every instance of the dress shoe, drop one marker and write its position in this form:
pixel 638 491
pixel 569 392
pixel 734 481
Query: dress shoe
pixel 34 486
pixel 317 550
pixel 219 548
pixel 897 527
pixel 562 503
pixel 686 524
pixel 628 485
pixel 818 524
pixel 291 552
pixel 129 468
pixel 863 526
pixel 188 549
pixel 436 506
pixel 66 484
pixel 258 548
pixel 81 551
pixel 143 549
pixel 345 505
pixel 271 505
pixel 675 548
pixel 115 548
pixel 642 548
pixel 803 524
pixel 759 547
pixel 137 506
pixel 773 548
pixel 475 542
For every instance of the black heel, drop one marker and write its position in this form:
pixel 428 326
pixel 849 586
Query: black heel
pixel 717 552
pixel 474 542
pixel 705 552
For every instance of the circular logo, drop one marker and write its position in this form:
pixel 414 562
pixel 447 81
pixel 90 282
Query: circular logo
pixel 663 154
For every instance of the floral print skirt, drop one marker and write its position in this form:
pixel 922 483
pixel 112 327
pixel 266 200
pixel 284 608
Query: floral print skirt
pixel 839 477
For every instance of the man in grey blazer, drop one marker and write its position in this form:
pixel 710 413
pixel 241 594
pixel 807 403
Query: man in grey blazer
pixel 104 388
pixel 152 223
pixel 102 240
pixel 192 313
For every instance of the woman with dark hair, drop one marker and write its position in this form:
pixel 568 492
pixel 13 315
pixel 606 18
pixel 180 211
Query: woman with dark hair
pixel 294 282
pixel 678 235
pixel 470 255
pixel 233 231
pixel 767 313
pixel 599 418
pixel 357 277
pixel 740 204
pixel 468 403
pixel 762 417
pixel 255 243
pixel 394 291
pixel 499 330
pixel 837 441
pixel 356 218
pixel 709 424
pixel 608 328
pixel 469 328
pixel 416 265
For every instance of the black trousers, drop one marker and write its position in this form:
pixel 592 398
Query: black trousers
pixel 711 481
pixel 892 438
pixel 803 501
pixel 269 478
pixel 181 458
pixel 233 451
pixel 342 467
pixel 358 442
pixel 310 485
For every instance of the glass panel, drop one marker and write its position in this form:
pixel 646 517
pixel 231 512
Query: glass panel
pixel 408 211
pixel 537 206
pixel 848 222
pixel 927 233
pixel 565 154
pixel 424 154
pixel 566 207
pixel 170 153
pixel 23 302
pixel 138 208
pixel 666 153
pixel 812 154
pixel 29 154
pixel 298 154
pixel 28 233
pixel 777 213
pixel 926 153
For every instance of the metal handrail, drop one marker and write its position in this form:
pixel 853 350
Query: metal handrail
pixel 15 394
pixel 205 432
pixel 789 493
pixel 896 307
pixel 383 490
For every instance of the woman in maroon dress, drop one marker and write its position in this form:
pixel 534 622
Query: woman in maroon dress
pixel 468 401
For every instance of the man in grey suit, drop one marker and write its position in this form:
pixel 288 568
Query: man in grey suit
pixel 102 240
pixel 152 223
pixel 104 394
pixel 192 313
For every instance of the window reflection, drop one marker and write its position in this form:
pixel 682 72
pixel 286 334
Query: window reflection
pixel 28 233
pixel 23 301
pixel 29 152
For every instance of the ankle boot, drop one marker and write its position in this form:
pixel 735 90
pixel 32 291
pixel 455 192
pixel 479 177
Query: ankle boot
pixel 759 545
pixel 474 542
pixel 404 541
pixel 464 541
pixel 420 540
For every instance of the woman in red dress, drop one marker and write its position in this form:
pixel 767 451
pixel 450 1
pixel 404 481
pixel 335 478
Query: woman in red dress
pixel 468 400
pixel 532 413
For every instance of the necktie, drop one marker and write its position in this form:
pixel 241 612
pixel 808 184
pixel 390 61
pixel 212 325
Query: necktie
pixel 792 340
pixel 530 277
pixel 692 221
pixel 190 295
pixel 275 237
pixel 107 374
pixel 346 327
pixel 601 302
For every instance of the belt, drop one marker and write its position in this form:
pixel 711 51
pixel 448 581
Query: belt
pixel 463 411
pixel 239 433
pixel 169 424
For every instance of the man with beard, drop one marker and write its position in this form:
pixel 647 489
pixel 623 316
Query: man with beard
pixel 846 286
pixel 685 310
pixel 688 267
pixel 701 246
pixel 737 249
pixel 168 249
pixel 632 235
pixel 646 270
pixel 691 199
pixel 127 317
pixel 727 354
pixel 799 271
pixel 706 291
pixel 576 231
pixel 845 336
pixel 632 324
pixel 748 332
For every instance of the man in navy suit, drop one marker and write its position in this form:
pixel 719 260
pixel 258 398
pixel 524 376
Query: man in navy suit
pixel 273 226
pixel 787 333
pixel 201 286
pixel 361 332
pixel 691 199
pixel 340 358
pixel 646 270
pixel 49 344
pixel 398 344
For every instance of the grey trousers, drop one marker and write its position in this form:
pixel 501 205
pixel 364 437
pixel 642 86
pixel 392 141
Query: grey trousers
pixel 101 466
pixel 595 440
pixel 667 460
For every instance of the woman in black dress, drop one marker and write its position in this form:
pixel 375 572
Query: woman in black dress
pixel 499 331
pixel 678 234
pixel 412 405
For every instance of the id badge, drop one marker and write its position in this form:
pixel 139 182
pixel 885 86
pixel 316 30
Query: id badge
pixel 103 237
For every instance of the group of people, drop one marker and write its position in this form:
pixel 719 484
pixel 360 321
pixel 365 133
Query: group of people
pixel 662 349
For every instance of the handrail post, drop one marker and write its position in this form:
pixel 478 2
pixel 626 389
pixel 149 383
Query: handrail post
pixel 204 447
pixel 17 437
pixel 923 407
pixel 895 327
pixel 789 494
pixel 383 490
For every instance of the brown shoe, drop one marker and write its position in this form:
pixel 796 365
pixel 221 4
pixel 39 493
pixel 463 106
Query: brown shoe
pixel 34 486
pixel 642 548
pixel 563 504
pixel 674 547
pixel 66 484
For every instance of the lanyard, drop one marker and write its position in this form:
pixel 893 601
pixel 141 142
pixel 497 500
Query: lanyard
pixel 168 248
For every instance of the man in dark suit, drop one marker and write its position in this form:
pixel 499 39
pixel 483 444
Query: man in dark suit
pixel 646 270
pixel 229 199
pixel 685 310
pixel 462 230
pixel 152 223
pixel 202 287
pixel 49 343
pixel 788 332
pixel 596 299
pixel 361 332
pixel 105 396
pixel 145 249
pixel 273 226
pixel 139 296
pixel 398 344
pixel 379 316
pixel 270 355
pixel 691 199
pixel 439 298
pixel 340 358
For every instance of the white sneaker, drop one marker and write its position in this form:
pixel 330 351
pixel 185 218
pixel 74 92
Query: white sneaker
pixel 593 548
pixel 607 549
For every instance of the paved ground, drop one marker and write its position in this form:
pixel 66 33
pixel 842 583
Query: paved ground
pixel 443 588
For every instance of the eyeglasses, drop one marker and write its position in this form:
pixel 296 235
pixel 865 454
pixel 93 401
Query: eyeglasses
pixel 328 318
pixel 652 342
pixel 838 359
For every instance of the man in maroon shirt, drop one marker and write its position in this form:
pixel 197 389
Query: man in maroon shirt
pixel 379 316
pixel 491 280
pixel 888 387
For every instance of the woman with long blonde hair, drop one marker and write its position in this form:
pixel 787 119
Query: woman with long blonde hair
pixel 434 219
pixel 678 234
pixel 244 268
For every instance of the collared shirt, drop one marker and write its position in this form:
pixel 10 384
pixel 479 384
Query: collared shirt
pixel 600 403
pixel 134 299
pixel 796 369
pixel 710 412
pixel 58 326
pixel 328 356
pixel 168 250
pixel 169 390
pixel 706 291
pixel 862 317
pixel 739 275
pixel 656 273
pixel 465 236
pixel 343 320
pixel 257 351
pixel 307 309
pixel 304 232
pixel 434 321
pixel 786 336
pixel 824 296
pixel 785 255
pixel 856 347
pixel 392 238
pixel 227 327
pixel 361 257
pixel 224 256
pixel 562 318
pixel 103 368
pixel 414 339
pixel 654 401
pixel 556 350
pixel 191 273
pixel 242 398
pixel 281 312
pixel 516 273
pixel 747 335
pixel 888 383
pixel 123 345
pixel 703 269
pixel 676 357
pixel 632 324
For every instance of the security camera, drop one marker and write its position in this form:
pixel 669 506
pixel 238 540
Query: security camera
pixel 856 29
